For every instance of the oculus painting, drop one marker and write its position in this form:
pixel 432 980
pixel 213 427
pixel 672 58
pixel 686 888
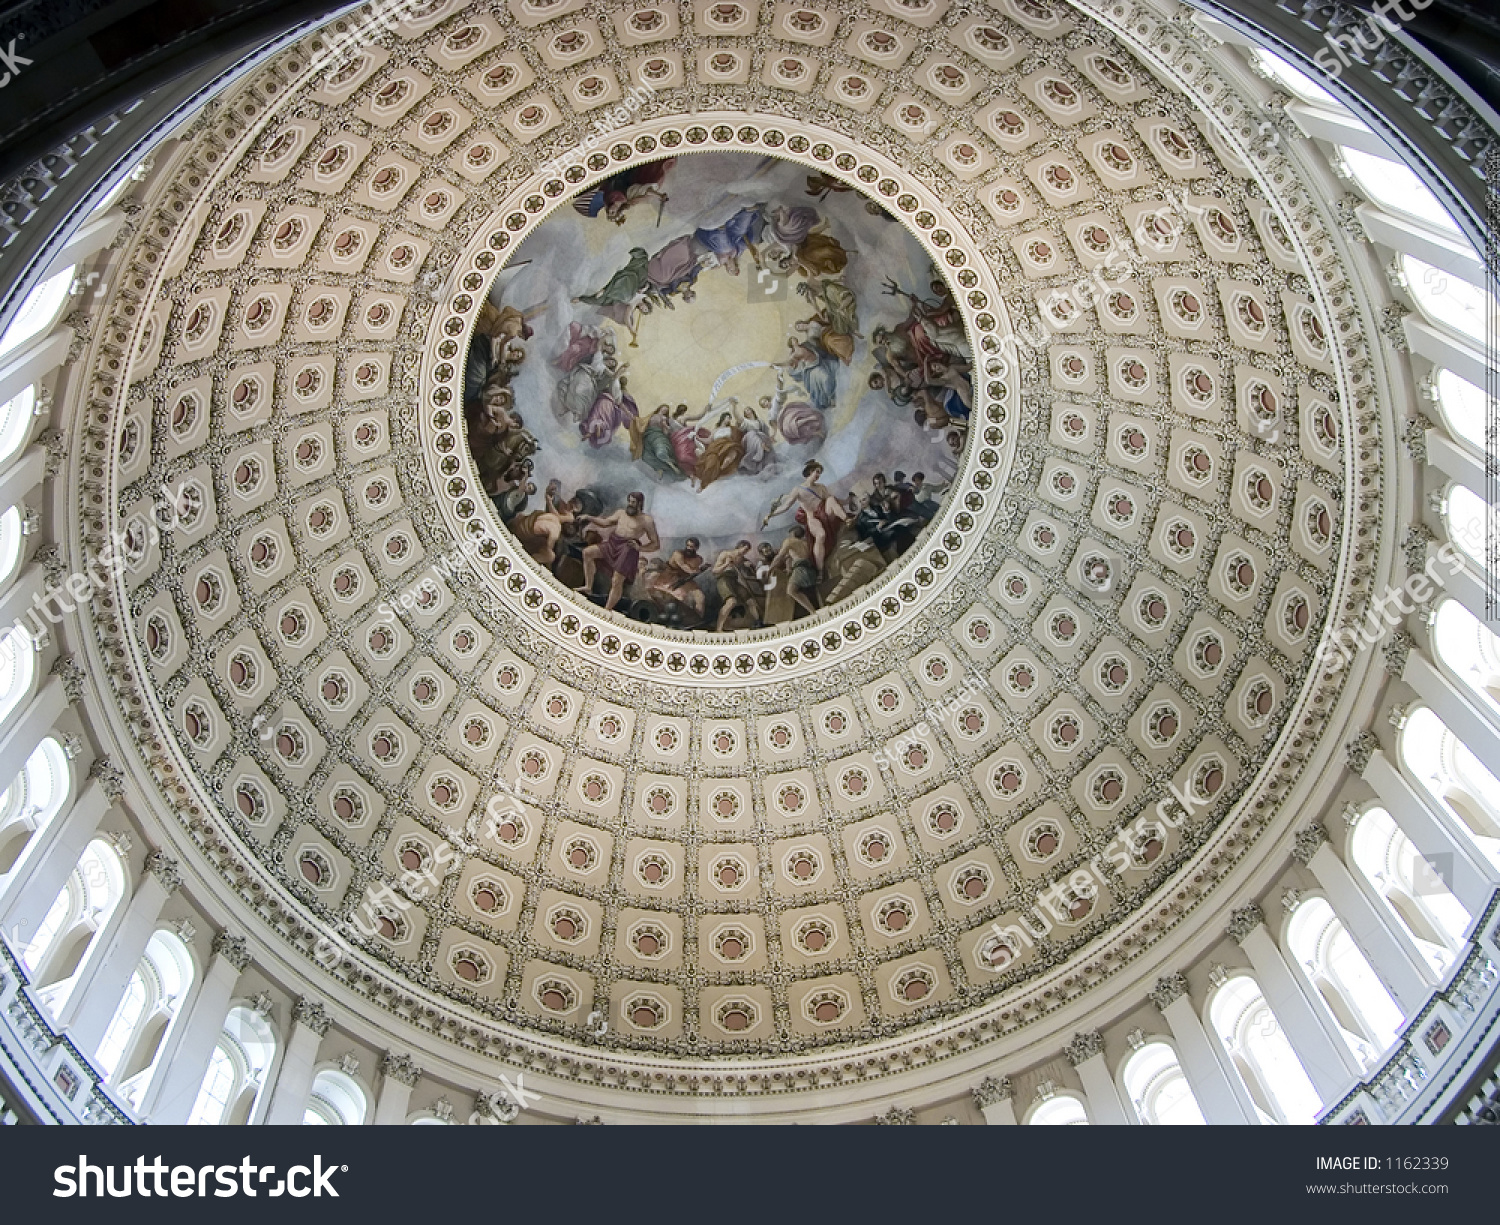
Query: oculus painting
pixel 718 392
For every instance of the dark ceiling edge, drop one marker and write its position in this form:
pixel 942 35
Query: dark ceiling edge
pixel 1400 120
pixel 59 100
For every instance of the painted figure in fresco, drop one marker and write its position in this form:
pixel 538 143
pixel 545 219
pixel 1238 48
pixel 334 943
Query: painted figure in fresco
pixel 583 343
pixel 932 325
pixel 836 317
pixel 676 579
pixel 629 533
pixel 623 297
pixel 815 368
pixel 611 409
pixel 756 440
pixel 540 530
pixel 734 575
pixel 795 420
pixel 684 441
pixel 795 557
pixel 739 234
pixel 818 511
pixel 673 271
pixel 723 451
pixel 651 442
pixel 621 192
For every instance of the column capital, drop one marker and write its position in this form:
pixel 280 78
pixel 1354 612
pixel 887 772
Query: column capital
pixel 1360 750
pixel 67 670
pixel 313 1015
pixel 1244 921
pixel 1397 647
pixel 992 1090
pixel 899 1116
pixel 165 869
pixel 109 776
pixel 1168 988
pixel 1084 1046
pixel 399 1067
pixel 233 949
pixel 1309 838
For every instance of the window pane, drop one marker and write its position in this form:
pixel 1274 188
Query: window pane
pixel 1447 300
pixel 1464 406
pixel 1294 80
pixel 38 311
pixel 1396 187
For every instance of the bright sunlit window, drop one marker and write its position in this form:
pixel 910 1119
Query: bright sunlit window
pixel 1396 187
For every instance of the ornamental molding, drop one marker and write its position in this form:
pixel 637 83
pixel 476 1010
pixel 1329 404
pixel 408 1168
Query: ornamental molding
pixel 1244 921
pixel 1084 1046
pixel 1168 988
pixel 234 949
pixel 1308 841
pixel 312 1015
pixel 1360 750
pixel 993 1090
pixel 159 761
pixel 166 869
pixel 401 1068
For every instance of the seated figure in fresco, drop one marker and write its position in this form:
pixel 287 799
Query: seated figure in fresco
pixel 816 368
pixel 685 441
pixel 611 409
pixel 651 442
pixel 734 237
pixel 797 421
pixel 675 580
pixel 932 326
pixel 836 317
pixel 629 532
pixel 723 450
pixel 757 440
pixel 674 270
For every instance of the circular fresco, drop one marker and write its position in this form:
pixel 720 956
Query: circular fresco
pixel 720 391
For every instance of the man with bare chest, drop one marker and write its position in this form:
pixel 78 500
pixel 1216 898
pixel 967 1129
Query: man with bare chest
pixel 631 532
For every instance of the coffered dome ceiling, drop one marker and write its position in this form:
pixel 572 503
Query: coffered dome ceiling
pixel 808 831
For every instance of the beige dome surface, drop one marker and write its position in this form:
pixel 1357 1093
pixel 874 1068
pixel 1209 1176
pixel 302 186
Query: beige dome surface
pixel 813 846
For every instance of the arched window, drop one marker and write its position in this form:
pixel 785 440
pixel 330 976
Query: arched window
pixel 137 1033
pixel 1445 768
pixel 1414 892
pixel 17 670
pixel 41 309
pixel 1444 299
pixel 11 542
pixel 1059 1111
pixel 79 913
pixel 1396 188
pixel 32 800
pixel 1293 80
pixel 236 1071
pixel 1155 1084
pixel 337 1100
pixel 1471 653
pixel 1262 1054
pixel 16 417
pixel 1463 408
pixel 1360 1005
pixel 1465 516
